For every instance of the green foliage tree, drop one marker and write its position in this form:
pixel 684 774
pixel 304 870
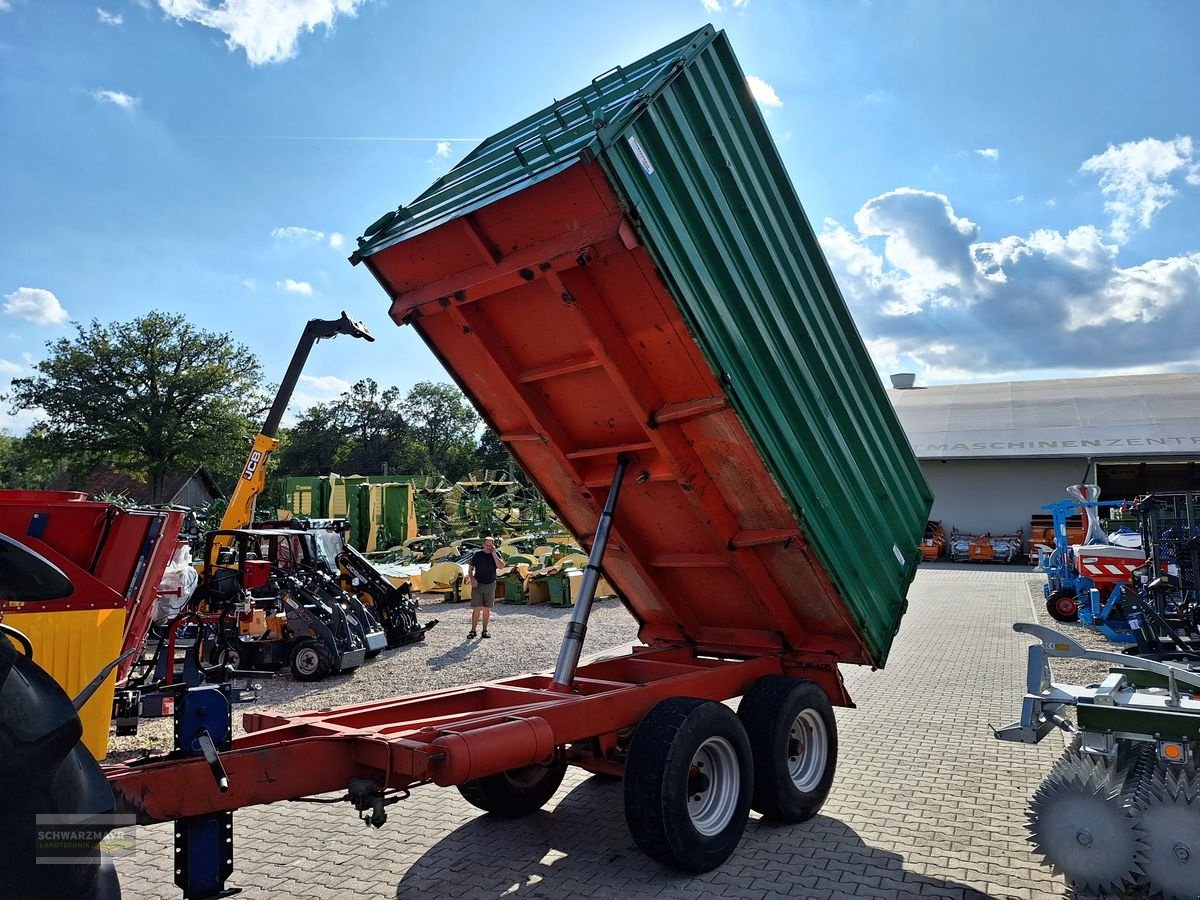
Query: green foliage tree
pixel 153 396
pixel 444 423
pixel 21 465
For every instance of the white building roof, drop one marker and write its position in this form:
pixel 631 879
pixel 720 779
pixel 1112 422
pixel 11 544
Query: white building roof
pixel 1126 416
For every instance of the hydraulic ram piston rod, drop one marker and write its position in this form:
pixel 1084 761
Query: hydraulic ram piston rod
pixel 572 645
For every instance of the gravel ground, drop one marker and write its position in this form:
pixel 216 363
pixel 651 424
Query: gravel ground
pixel 1071 671
pixel 524 639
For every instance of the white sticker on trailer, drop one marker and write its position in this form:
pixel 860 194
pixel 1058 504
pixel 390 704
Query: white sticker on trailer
pixel 899 555
pixel 640 152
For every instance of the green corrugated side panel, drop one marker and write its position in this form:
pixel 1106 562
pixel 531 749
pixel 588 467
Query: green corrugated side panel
pixel 533 150
pixel 722 222
pixel 315 489
pixel 395 525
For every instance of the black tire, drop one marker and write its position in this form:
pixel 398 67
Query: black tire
pixel 310 660
pixel 45 769
pixel 678 813
pixel 1063 605
pixel 793 735
pixel 516 792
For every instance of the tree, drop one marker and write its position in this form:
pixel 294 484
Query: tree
pixel 444 423
pixel 21 466
pixel 314 443
pixel 154 396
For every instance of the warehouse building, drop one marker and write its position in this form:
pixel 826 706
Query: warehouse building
pixel 994 453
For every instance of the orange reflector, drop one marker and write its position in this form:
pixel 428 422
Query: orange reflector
pixel 1063 647
pixel 1172 751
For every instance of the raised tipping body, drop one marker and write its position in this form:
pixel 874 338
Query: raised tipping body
pixel 630 272
pixel 626 287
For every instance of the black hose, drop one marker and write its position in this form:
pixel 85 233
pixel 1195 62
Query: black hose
pixel 19 637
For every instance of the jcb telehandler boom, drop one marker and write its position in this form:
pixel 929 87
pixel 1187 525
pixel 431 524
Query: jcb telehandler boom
pixel 240 512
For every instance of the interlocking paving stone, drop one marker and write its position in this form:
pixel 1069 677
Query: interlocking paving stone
pixel 926 803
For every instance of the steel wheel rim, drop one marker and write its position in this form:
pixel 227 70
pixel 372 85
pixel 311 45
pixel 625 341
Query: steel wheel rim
pixel 807 750
pixel 713 786
pixel 307 661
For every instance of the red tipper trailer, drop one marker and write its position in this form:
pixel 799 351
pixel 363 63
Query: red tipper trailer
pixel 627 288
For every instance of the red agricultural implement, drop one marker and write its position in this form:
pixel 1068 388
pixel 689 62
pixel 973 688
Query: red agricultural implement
pixel 115 559
pixel 697 406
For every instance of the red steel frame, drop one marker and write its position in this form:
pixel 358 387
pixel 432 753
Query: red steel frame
pixel 446 737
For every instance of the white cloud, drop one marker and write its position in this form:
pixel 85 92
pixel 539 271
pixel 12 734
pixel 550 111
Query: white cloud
pixel 1020 198
pixel 295 287
pixel 1052 202
pixel 266 30
pixel 116 98
pixel 311 391
pixel 763 92
pixel 10 368
pixel 711 5
pixel 4 7
pixel 939 300
pixel 328 386
pixel 989 153
pixel 443 149
pixel 114 19
pixel 297 235
pixel 249 284
pixel 1135 180
pixel 336 240
pixel 35 305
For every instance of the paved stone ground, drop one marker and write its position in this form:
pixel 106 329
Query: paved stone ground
pixel 926 802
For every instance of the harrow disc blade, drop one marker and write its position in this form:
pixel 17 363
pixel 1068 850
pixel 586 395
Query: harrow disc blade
pixel 1169 802
pixel 1080 822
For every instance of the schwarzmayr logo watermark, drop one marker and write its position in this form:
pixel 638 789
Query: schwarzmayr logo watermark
pixel 73 838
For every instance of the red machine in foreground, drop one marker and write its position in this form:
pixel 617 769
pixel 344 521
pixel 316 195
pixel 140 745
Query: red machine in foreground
pixel 628 289
pixel 115 559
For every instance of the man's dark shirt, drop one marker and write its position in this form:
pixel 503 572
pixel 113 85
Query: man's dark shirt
pixel 485 567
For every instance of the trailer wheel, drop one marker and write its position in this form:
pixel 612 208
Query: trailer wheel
pixel 793 736
pixel 688 781
pixel 516 792
pixel 1063 605
pixel 311 660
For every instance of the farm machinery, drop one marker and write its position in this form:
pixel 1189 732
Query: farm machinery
pixel 394 606
pixel 1083 581
pixel 1001 548
pixel 1121 807
pixel 933 543
pixel 268 602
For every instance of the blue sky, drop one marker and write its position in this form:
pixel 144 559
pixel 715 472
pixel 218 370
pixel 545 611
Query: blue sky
pixel 1006 190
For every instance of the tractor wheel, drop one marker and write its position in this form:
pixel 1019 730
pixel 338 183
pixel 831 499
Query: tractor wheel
pixel 1063 605
pixel 793 736
pixel 45 769
pixel 689 778
pixel 516 792
pixel 311 660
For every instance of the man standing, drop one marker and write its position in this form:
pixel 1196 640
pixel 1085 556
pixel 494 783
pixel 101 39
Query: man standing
pixel 482 573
